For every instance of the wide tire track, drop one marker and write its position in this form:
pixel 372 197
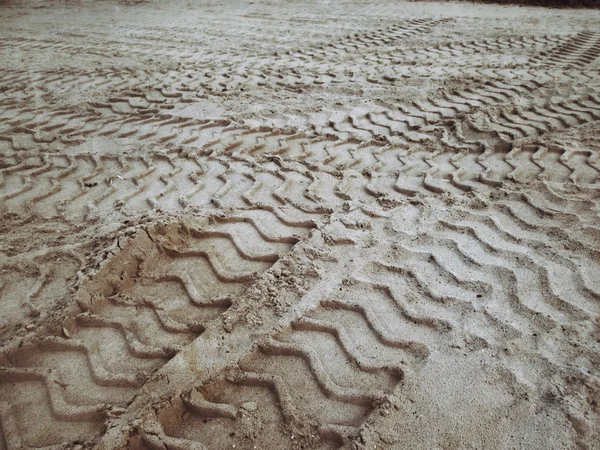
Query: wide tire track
pixel 288 384
pixel 148 301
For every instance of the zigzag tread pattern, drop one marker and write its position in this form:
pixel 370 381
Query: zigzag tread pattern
pixel 578 52
pixel 395 124
pixel 477 277
pixel 478 271
pixel 288 385
pixel 293 69
pixel 456 51
pixel 150 300
pixel 291 174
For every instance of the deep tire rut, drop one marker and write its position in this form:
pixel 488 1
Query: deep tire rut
pixel 152 298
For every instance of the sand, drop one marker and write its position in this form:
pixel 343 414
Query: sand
pixel 273 225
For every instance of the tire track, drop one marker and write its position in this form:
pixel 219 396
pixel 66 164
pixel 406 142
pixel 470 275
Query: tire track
pixel 579 51
pixel 400 127
pixel 472 278
pixel 131 90
pixel 151 299
pixel 291 175
pixel 143 48
pixel 382 37
pixel 287 384
pixel 496 275
pixel 456 51
pixel 216 73
pixel 86 187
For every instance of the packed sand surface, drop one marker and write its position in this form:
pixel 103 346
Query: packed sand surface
pixel 299 225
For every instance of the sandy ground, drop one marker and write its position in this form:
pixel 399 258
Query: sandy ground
pixel 271 225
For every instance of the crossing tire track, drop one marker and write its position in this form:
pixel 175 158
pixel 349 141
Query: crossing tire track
pixel 317 233
pixel 477 277
pixel 287 384
pixel 291 69
pixel 149 300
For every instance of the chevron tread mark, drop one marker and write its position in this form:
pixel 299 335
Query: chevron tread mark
pixel 86 186
pixel 148 301
pixel 455 52
pixel 286 385
pixel 578 52
pixel 296 188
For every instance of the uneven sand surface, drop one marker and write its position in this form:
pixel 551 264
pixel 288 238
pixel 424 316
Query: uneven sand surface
pixel 316 224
